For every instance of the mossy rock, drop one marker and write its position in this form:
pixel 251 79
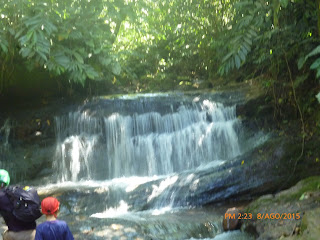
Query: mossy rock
pixel 301 201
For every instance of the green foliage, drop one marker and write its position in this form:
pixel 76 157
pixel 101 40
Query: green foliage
pixel 240 46
pixel 142 45
pixel 318 97
pixel 315 64
pixel 71 38
pixel 243 31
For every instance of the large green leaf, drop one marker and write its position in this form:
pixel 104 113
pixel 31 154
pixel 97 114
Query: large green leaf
pixel 25 52
pixel 242 55
pixel 4 45
pixel 62 60
pixel 91 73
pixel 237 61
pixel 116 68
pixel 227 56
pixel 301 62
pixel 284 3
pixel 35 20
pixel 315 64
pixel 78 57
pixel 42 55
pixel 315 51
pixel 105 61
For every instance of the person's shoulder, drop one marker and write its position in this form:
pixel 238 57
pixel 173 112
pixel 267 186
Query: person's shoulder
pixel 43 224
pixel 61 222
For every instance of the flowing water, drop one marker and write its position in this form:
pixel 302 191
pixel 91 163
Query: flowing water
pixel 107 149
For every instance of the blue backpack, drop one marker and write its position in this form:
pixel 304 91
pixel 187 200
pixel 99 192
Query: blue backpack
pixel 26 203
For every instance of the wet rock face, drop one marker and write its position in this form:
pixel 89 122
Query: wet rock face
pixel 27 138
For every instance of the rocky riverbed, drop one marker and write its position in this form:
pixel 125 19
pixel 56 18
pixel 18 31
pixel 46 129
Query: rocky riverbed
pixel 289 214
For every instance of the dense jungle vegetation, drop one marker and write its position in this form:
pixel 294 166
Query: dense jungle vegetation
pixel 62 48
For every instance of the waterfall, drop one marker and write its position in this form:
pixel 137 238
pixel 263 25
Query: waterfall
pixel 122 143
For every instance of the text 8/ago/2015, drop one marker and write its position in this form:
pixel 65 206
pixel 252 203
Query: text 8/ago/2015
pixel 248 216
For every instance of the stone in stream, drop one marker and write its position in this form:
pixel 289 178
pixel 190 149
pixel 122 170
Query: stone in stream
pixel 231 220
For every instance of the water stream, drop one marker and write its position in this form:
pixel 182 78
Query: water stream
pixel 107 150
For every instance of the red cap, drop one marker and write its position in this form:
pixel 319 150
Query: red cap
pixel 49 206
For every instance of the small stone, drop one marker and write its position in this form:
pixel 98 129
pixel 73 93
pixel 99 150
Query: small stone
pixel 231 219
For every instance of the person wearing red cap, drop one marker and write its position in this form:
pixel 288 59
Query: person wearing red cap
pixel 52 228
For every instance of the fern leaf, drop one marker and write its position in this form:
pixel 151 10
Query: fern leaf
pixel 313 52
pixel 315 64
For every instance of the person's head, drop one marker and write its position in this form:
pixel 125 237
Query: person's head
pixel 50 206
pixel 4 178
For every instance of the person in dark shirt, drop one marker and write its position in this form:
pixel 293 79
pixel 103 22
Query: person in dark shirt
pixel 52 228
pixel 17 229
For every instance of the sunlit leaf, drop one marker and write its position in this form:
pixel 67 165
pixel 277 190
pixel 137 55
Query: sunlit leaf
pixel 302 197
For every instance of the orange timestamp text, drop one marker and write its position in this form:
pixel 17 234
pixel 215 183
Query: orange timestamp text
pixel 261 216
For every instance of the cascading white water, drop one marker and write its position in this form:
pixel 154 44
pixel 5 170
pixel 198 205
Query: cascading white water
pixel 144 144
